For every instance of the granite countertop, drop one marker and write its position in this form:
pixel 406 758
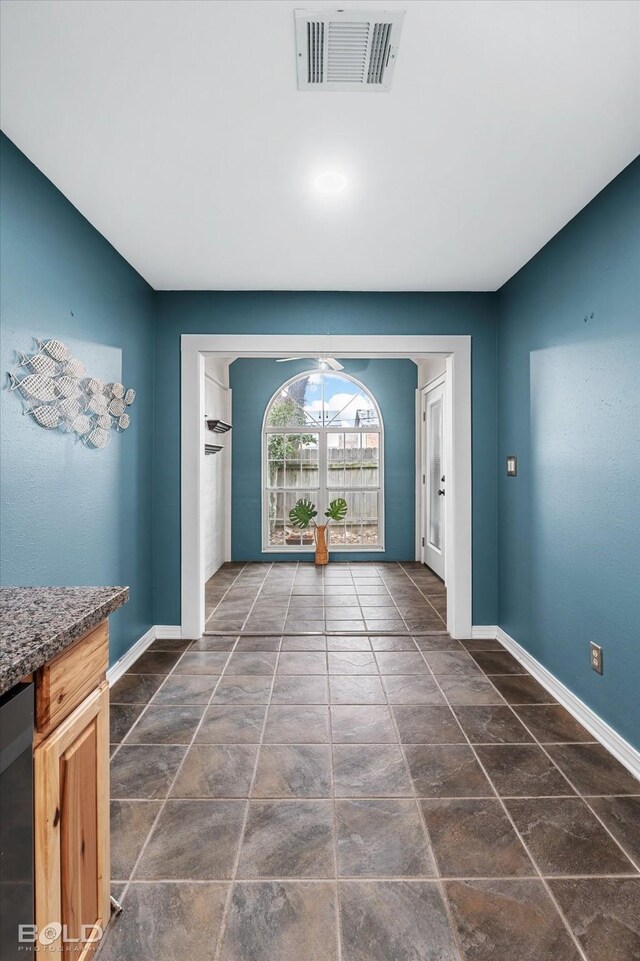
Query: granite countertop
pixel 36 623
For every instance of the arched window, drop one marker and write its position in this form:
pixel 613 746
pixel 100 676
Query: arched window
pixel 322 439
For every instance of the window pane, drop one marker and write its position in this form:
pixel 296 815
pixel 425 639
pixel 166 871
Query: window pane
pixel 360 526
pixel 276 518
pixel 299 404
pixel 292 460
pixel 275 455
pixel 294 536
pixel 352 460
pixel 322 398
pixel 346 404
pixel 309 454
pixel 369 517
pixel 335 459
pixel 282 533
pixel 337 534
pixel 370 455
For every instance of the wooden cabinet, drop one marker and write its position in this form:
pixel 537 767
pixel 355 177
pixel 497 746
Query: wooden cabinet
pixel 63 683
pixel 71 777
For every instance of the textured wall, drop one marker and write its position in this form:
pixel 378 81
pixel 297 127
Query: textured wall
pixel 72 516
pixel 569 324
pixel 569 523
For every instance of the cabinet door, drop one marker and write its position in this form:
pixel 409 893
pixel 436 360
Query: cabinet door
pixel 72 830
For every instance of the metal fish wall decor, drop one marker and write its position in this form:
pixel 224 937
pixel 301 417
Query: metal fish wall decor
pixel 58 395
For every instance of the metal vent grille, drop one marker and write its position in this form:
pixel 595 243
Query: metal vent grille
pixel 379 52
pixel 315 52
pixel 346 50
pixel 347 54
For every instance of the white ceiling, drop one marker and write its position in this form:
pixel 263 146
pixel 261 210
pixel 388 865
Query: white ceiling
pixel 177 129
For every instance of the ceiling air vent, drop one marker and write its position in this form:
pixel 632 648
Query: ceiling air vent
pixel 347 49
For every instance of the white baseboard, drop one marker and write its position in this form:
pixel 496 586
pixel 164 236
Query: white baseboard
pixel 485 632
pixel 624 752
pixel 157 631
pixel 121 666
pixel 167 631
pixel 213 566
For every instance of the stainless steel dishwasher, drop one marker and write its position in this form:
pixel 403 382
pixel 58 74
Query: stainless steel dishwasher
pixel 16 821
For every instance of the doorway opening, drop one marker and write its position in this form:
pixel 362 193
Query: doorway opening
pixel 455 515
pixel 434 476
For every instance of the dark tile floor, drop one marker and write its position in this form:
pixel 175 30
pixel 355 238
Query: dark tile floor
pixel 290 598
pixel 373 798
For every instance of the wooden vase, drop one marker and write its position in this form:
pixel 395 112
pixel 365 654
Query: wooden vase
pixel 320 535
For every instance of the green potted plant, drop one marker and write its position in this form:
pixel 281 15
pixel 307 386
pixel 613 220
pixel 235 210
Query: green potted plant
pixel 302 517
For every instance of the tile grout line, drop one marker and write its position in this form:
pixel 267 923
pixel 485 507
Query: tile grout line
pixel 367 632
pixel 150 703
pixel 417 586
pixel 361 797
pixel 234 583
pixel 214 609
pixel 380 571
pixel 334 816
pixel 234 871
pixel 180 765
pixel 547 887
pixel 578 794
pixel 452 708
pixel 402 617
pixel 178 769
pixel 372 879
pixel 395 603
pixel 258 592
pixel 361 617
pixel 439 880
pixel 543 745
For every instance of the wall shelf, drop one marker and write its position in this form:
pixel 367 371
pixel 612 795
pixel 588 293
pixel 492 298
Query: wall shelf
pixel 212 448
pixel 218 426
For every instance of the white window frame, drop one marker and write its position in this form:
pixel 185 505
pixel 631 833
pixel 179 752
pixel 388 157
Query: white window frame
pixel 320 495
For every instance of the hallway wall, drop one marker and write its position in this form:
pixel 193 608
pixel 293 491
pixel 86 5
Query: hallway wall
pixel 569 523
pixel 567 361
pixel 210 312
pixel 393 384
pixel 70 515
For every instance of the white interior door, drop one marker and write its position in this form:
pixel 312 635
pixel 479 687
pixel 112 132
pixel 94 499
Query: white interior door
pixel 434 478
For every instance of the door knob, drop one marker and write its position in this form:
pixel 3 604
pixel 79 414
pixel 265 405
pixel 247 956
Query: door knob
pixel 441 493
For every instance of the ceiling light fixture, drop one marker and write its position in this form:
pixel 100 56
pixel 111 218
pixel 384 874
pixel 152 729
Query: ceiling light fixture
pixel 330 182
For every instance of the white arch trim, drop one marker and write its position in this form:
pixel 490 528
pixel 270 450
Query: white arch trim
pixel 457 436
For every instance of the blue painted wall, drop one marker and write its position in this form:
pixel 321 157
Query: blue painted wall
pixel 210 312
pixel 569 542
pixel 393 384
pixel 71 516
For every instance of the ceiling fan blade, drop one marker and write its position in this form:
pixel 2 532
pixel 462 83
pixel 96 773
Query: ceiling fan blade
pixel 334 364
pixel 284 360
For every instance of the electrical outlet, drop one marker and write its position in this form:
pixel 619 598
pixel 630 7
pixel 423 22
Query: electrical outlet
pixel 596 657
